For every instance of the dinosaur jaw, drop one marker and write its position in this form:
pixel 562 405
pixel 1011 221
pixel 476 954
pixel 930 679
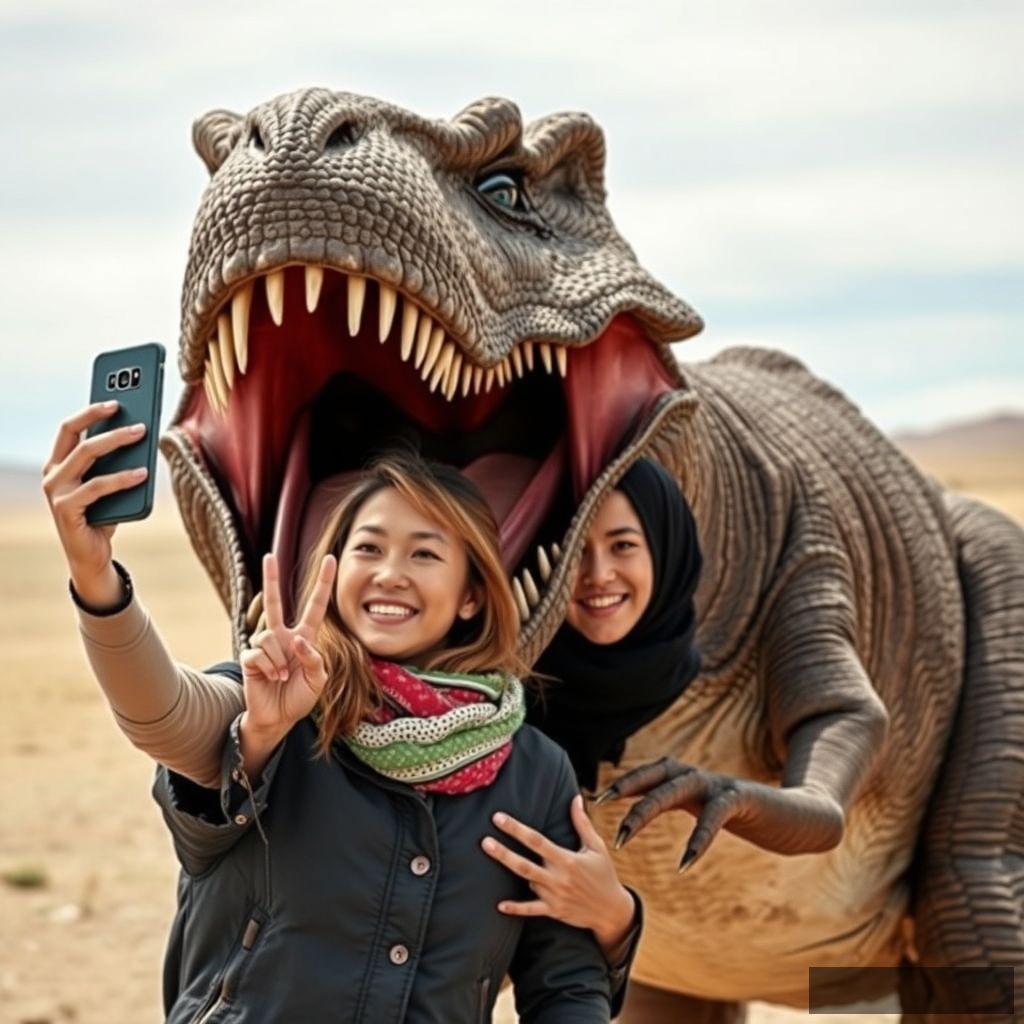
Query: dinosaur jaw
pixel 312 372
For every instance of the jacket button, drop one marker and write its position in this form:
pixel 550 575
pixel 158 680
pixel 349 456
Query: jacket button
pixel 419 865
pixel 398 954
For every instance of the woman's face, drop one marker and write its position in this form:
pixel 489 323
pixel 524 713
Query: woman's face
pixel 402 579
pixel 616 575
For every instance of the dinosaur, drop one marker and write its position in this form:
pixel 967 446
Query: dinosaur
pixel 360 276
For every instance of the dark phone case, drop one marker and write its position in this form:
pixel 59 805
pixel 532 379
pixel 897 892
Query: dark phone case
pixel 137 405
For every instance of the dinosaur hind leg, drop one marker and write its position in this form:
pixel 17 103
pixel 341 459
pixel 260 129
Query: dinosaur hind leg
pixel 969 893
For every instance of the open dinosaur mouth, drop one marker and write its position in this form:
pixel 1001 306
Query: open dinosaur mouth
pixel 309 372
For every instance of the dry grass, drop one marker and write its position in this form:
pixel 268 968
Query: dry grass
pixel 85 945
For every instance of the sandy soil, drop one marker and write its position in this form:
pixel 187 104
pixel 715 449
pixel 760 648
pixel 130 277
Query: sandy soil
pixel 88 876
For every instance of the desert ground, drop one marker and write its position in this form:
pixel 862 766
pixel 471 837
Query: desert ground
pixel 86 870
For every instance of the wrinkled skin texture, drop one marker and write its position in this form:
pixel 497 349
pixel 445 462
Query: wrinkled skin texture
pixel 851 749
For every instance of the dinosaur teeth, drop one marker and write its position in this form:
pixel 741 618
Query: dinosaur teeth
pixel 517 360
pixel 241 303
pixel 423 341
pixel 545 355
pixel 410 317
pixel 562 358
pixel 220 385
pixel 528 354
pixel 386 311
pixel 468 372
pixel 556 552
pixel 226 347
pixel 211 397
pixel 532 593
pixel 520 597
pixel 274 282
pixel 356 298
pixel 489 380
pixel 452 380
pixel 444 361
pixel 543 564
pixel 478 379
pixel 314 282
pixel 433 351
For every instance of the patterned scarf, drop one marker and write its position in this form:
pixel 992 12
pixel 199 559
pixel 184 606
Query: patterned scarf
pixel 440 732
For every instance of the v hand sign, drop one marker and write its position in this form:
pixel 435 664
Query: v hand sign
pixel 283 673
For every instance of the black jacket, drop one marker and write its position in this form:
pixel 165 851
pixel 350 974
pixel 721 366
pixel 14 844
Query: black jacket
pixel 334 894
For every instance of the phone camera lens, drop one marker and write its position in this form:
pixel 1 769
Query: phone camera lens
pixel 136 376
pixel 111 381
pixel 123 379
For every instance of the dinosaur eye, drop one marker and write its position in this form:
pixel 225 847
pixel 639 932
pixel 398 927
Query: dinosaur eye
pixel 502 190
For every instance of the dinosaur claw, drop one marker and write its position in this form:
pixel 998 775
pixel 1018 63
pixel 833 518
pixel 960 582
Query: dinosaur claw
pixel 609 794
pixel 622 836
pixel 689 856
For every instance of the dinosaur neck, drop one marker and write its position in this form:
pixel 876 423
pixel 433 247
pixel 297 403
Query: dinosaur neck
pixel 741 506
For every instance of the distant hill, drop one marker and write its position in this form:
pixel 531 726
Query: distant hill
pixel 1002 432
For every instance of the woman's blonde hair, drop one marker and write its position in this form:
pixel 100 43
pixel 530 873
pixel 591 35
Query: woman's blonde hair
pixel 484 643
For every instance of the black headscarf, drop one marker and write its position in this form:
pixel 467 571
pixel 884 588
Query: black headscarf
pixel 603 693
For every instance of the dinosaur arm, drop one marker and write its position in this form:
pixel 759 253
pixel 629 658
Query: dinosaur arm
pixel 825 722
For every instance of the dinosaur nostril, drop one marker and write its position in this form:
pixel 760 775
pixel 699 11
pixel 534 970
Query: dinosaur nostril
pixel 256 139
pixel 345 134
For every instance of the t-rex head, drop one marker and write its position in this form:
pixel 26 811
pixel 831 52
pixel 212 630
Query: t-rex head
pixel 360 277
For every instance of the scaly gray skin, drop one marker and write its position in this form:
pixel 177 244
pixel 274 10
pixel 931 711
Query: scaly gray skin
pixel 832 606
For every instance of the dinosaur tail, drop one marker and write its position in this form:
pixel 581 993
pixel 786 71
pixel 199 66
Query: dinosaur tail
pixel 969 889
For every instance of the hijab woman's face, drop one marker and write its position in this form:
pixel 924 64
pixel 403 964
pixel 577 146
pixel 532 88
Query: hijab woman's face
pixel 616 576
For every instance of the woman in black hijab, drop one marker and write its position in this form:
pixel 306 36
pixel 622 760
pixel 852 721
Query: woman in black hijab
pixel 603 692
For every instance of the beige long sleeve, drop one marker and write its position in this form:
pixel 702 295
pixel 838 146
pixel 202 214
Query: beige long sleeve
pixel 176 714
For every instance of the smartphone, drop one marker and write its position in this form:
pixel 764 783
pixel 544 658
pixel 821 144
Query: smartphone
pixel 134 378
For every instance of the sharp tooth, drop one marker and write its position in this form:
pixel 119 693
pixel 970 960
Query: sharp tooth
pixel 423 339
pixel 543 564
pixel 314 280
pixel 528 354
pixel 275 296
pixel 478 379
pixel 467 377
pixel 489 380
pixel 220 385
pixel 386 311
pixel 356 297
pixel 241 303
pixel 562 358
pixel 442 364
pixel 211 395
pixel 556 552
pixel 517 360
pixel 517 593
pixel 433 351
pixel 410 317
pixel 452 381
pixel 499 374
pixel 227 348
pixel 545 355
pixel 532 594
pixel 506 367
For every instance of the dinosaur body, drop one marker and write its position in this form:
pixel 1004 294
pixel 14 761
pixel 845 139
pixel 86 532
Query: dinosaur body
pixel 360 276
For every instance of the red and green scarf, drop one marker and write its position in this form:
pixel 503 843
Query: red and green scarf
pixel 440 732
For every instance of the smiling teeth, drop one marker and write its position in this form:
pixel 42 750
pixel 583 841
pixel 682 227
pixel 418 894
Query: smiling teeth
pixel 602 602
pixel 397 610
pixel 444 367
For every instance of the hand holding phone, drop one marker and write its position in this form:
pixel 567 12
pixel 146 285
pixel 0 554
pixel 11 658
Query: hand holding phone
pixel 73 485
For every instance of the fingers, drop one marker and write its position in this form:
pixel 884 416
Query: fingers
pixel 268 642
pixel 531 908
pixel 255 662
pixel 641 779
pixel 313 670
pixel 530 838
pixel 71 506
pixel 669 795
pixel 520 866
pixel 70 431
pixel 711 821
pixel 316 607
pixel 272 606
pixel 589 837
pixel 70 470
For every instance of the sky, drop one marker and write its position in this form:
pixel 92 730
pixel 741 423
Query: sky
pixel 837 178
